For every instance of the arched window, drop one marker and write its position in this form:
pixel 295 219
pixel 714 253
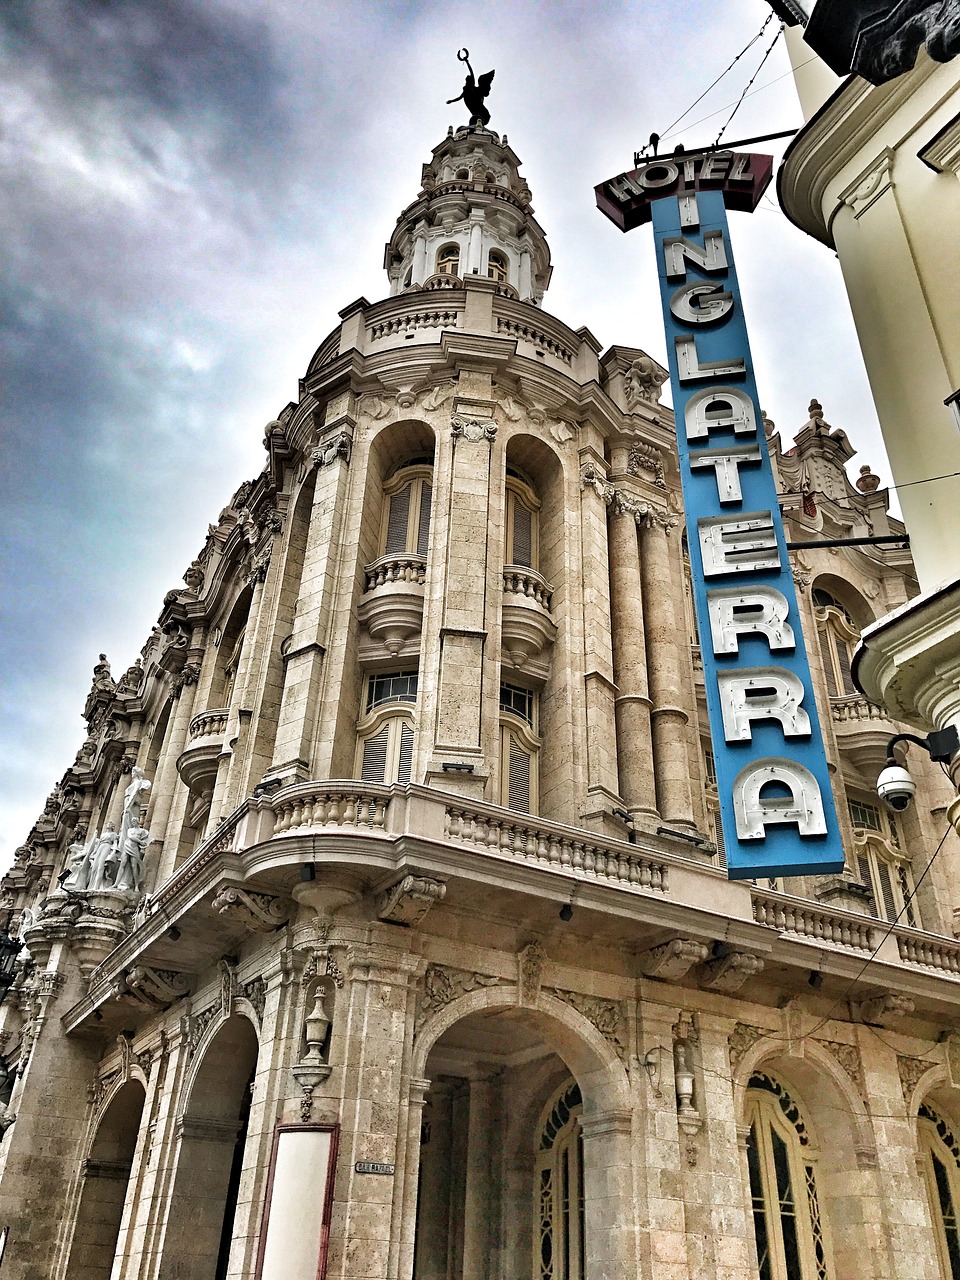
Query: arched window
pixel 463 175
pixel 940 1153
pixel 783 1188
pixel 385 732
pixel 448 260
pixel 881 864
pixel 558 1192
pixel 519 749
pixel 838 635
pixel 405 528
pixel 497 266
pixel 522 540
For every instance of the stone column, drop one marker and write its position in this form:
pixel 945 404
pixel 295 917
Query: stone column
pixel 425 1218
pixel 634 740
pixel 165 833
pixel 367 1228
pixel 525 285
pixel 479 1215
pixel 610 1228
pixel 419 255
pixel 293 747
pixel 665 635
pixel 474 263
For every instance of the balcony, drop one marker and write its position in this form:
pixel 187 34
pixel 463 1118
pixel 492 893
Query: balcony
pixel 392 604
pixel 198 762
pixel 862 730
pixel 526 625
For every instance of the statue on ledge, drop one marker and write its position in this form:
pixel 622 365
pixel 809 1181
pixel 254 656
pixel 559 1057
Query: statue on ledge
pixel 475 89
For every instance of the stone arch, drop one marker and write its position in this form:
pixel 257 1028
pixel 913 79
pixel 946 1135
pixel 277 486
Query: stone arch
pixel 591 1058
pixel 498 1197
pixel 933 1085
pixel 211 1135
pixel 105 1178
pixel 846 595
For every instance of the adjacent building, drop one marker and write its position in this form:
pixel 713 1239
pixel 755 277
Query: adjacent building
pixel 380 928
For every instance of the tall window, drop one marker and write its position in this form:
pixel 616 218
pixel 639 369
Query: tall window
pixel 881 865
pixel 519 749
pixel 783 1188
pixel 385 731
pixel 406 515
pixel 838 636
pixel 522 541
pixel 940 1153
pixel 497 266
pixel 448 260
pixel 558 1193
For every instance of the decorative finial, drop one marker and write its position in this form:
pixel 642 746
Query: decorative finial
pixel 475 89
pixel 868 482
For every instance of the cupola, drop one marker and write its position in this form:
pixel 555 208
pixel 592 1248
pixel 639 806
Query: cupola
pixel 473 216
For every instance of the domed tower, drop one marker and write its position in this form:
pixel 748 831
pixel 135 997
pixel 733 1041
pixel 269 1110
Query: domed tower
pixel 473 216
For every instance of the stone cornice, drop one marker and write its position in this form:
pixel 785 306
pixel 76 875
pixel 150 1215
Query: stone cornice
pixel 839 132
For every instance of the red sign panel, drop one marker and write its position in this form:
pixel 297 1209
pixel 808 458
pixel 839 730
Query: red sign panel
pixel 741 176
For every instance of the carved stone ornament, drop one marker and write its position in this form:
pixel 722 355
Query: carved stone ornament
pixel 473 429
pixel 673 960
pixel 741 1041
pixel 189 675
pixel 606 1016
pixel 593 477
pixel 883 1009
pixel 338 446
pixel 259 912
pixel 260 567
pixel 642 383
pixel 911 1070
pixel 193 1027
pixel 408 901
pixel 530 963
pixel 442 985
pixel 730 972
pixel 623 504
pixel 152 988
pixel 255 993
pixel 647 459
pixel 848 1055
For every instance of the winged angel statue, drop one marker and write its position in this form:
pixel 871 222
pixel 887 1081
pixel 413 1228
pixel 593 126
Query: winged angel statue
pixel 475 89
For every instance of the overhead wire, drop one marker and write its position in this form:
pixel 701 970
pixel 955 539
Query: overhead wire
pixel 759 89
pixel 763 60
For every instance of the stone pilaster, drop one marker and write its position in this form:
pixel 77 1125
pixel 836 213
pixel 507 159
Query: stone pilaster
pixel 665 635
pixel 169 794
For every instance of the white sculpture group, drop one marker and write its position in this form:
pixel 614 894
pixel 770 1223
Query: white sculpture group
pixel 113 859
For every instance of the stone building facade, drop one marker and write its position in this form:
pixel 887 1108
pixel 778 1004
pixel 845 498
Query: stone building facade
pixel 431 968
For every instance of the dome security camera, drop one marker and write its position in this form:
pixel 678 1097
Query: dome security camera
pixel 895 787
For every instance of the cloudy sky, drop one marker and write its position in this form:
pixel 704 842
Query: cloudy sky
pixel 194 188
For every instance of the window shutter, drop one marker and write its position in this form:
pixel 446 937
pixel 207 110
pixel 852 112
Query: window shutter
pixel 406 753
pixel 828 670
pixel 397 522
pixel 843 663
pixel 423 525
pixel 886 890
pixel 374 765
pixel 518 793
pixel 863 871
pixel 721 842
pixel 522 534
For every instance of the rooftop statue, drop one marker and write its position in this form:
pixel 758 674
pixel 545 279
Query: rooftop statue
pixel 475 89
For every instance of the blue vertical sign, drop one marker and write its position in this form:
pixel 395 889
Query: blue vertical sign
pixel 776 800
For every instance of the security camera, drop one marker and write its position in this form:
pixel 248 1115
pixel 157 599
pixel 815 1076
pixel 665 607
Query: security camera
pixel 895 786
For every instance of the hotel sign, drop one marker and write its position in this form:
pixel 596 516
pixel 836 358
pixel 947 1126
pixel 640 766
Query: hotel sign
pixel 776 800
pixel 742 177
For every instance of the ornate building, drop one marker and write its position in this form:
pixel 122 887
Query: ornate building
pixel 380 928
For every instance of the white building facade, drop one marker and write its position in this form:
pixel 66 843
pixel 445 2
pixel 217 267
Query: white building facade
pixel 431 969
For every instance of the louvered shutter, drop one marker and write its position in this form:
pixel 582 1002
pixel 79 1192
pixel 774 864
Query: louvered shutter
pixel 374 765
pixel 423 524
pixel 522 534
pixel 721 843
pixel 843 665
pixel 397 522
pixel 828 670
pixel 406 753
pixel 863 871
pixel 886 890
pixel 518 793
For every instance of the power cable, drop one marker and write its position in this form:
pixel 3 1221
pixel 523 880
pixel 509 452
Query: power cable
pixel 759 89
pixel 751 80
pixel 766 23
pixel 950 475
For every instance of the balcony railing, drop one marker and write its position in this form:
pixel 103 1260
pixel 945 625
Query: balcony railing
pixel 209 724
pixel 855 710
pixel 389 569
pixel 520 581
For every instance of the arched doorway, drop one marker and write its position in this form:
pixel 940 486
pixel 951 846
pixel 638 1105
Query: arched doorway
pixel 518 1147
pixel 213 1130
pixel 106 1176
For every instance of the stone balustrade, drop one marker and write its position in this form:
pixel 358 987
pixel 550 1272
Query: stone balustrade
pixel 928 950
pixel 389 569
pixel 579 853
pixel 807 920
pixel 208 724
pixel 329 805
pixel 521 581
pixel 856 710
